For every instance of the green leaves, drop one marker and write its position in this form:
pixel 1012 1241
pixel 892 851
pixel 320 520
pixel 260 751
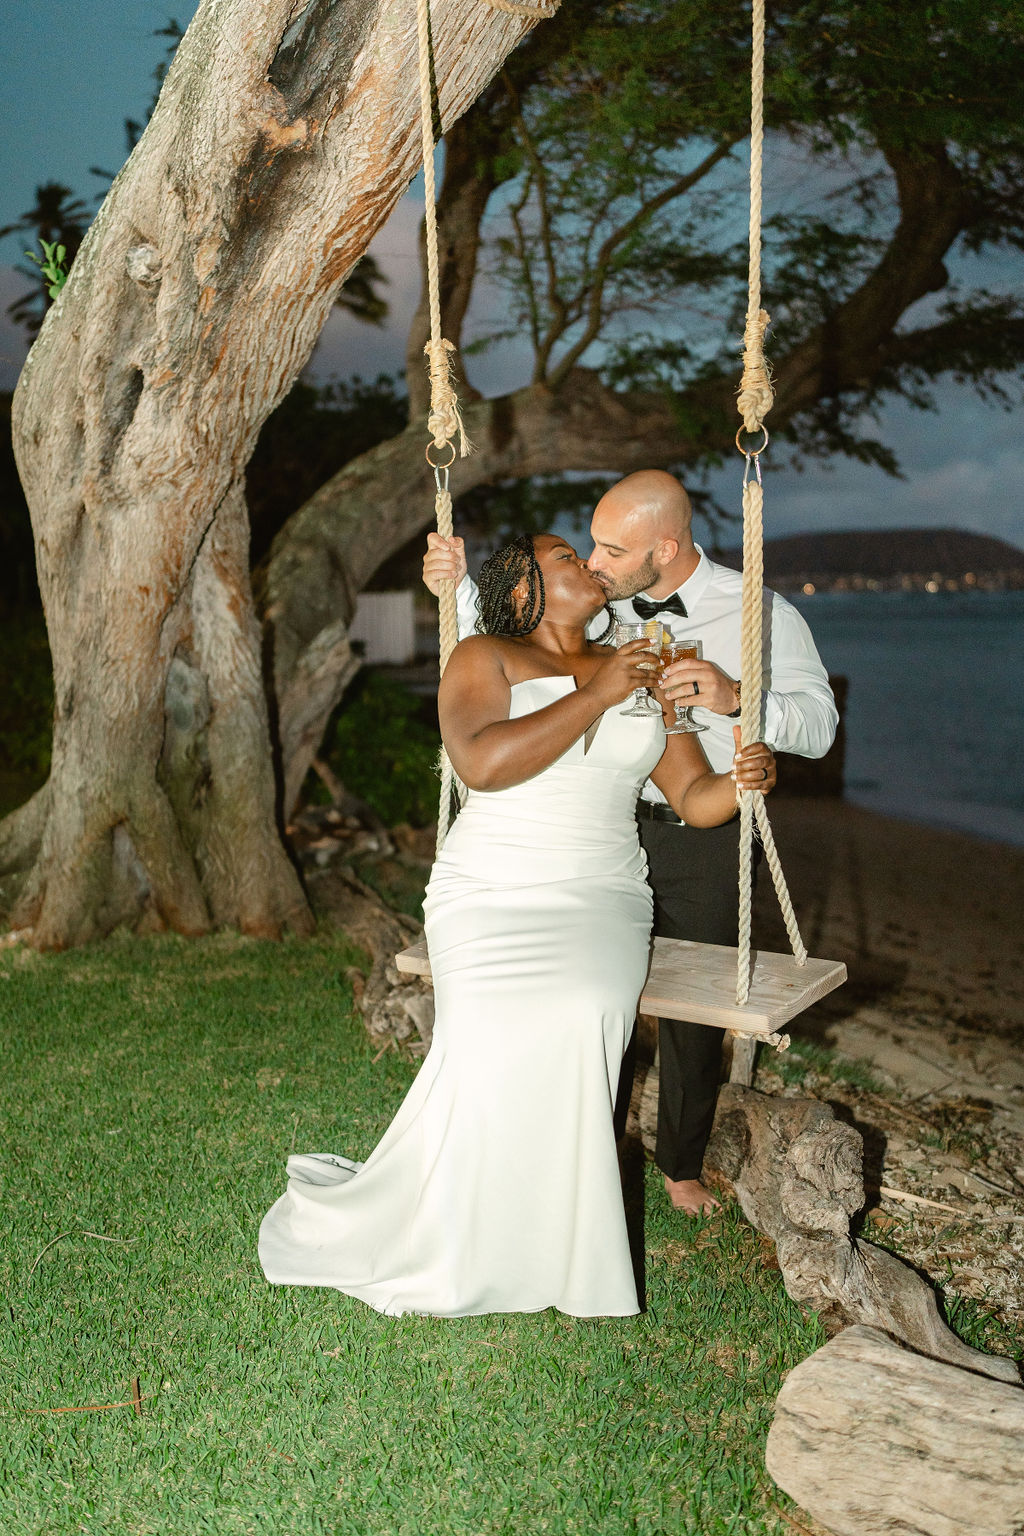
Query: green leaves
pixel 384 750
pixel 51 265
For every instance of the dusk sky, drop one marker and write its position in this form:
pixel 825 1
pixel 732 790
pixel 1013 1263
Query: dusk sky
pixel 71 73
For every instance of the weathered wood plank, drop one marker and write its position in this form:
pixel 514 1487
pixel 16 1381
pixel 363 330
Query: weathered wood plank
pixel 698 982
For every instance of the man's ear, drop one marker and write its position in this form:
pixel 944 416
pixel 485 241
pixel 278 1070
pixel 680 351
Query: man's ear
pixel 666 551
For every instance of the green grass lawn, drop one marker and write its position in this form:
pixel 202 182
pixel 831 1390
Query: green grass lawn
pixel 151 1090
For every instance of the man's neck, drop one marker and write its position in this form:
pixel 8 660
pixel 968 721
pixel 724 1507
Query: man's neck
pixel 672 576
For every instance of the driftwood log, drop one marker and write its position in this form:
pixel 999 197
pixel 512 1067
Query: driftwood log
pixel 797 1173
pixel 869 1437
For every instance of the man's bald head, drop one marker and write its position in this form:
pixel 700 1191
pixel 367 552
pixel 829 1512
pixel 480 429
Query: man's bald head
pixel 654 500
pixel 642 535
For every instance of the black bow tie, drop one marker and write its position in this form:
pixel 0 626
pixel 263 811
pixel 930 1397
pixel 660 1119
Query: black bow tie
pixel 647 607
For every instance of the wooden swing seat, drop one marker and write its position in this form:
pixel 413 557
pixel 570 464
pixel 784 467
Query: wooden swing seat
pixel 697 982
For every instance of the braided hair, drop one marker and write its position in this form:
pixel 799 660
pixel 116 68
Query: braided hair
pixel 499 575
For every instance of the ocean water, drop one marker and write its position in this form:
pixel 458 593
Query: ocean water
pixel 935 712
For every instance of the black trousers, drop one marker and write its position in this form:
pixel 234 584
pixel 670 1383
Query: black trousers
pixel 694 873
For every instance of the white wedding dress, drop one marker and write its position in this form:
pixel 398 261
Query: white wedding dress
pixel 496 1186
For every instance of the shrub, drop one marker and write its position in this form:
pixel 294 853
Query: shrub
pixel 383 744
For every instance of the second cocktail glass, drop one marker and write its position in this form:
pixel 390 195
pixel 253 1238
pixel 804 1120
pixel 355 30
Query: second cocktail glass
pixel 682 650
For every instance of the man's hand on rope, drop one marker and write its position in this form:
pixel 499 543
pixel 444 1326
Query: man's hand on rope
pixel 445 560
pixel 714 690
pixel 753 767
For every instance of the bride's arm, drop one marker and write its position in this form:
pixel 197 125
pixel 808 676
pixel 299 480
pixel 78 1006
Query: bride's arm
pixel 490 751
pixel 703 798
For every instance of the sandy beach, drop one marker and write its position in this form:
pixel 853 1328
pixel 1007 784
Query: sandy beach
pixel 929 923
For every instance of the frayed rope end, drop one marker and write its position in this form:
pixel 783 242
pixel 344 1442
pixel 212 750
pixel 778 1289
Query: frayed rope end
pixel 445 419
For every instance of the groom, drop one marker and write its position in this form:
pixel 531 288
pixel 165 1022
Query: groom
pixel 646 561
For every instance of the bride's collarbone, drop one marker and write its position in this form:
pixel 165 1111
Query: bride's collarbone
pixel 533 664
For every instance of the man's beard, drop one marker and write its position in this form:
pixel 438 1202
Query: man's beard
pixel 637 581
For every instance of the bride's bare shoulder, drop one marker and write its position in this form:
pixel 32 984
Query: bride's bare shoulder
pixel 481 650
pixel 478 656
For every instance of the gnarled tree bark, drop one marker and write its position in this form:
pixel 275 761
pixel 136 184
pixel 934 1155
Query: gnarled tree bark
pixel 283 136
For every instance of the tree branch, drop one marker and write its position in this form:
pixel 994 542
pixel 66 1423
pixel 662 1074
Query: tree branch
pixel 515 218
pixel 595 306
pixel 556 304
pixel 848 347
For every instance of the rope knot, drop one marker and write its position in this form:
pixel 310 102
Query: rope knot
pixel 444 421
pixel 756 396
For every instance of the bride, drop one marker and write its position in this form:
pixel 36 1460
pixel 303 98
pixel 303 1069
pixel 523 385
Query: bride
pixel 496 1186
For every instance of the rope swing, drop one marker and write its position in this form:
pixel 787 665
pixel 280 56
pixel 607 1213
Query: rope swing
pixel 752 995
pixel 444 422
pixel 754 401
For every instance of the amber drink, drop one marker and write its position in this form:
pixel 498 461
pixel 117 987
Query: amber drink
pixel 673 651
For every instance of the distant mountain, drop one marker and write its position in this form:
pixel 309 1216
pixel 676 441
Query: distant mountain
pixel 883 554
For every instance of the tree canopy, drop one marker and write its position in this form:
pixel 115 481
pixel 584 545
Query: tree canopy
pixel 618 232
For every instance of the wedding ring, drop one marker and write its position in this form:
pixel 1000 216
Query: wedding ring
pixel 696 689
pixel 764 774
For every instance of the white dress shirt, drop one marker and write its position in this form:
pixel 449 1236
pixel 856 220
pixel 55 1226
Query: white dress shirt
pixel 798 714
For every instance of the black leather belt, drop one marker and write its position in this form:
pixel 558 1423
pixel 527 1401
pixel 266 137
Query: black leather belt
pixel 651 810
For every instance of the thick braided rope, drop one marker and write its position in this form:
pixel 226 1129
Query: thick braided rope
pixel 444 422
pixel 449 635
pixel 750 711
pixel 797 944
pixel 754 402
pixel 752 806
pixel 755 396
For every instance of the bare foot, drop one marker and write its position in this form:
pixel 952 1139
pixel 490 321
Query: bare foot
pixel 690 1197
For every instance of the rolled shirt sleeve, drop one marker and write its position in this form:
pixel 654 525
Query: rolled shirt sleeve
pixel 800 714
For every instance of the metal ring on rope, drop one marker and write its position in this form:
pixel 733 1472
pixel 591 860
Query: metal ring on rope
pixel 751 453
pixel 446 464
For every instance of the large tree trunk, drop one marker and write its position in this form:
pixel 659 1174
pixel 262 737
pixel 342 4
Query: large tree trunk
pixel 283 136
